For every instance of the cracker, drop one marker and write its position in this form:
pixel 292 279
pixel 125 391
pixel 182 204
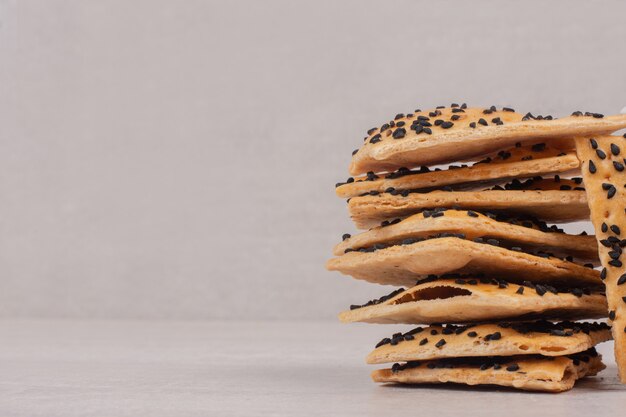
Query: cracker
pixel 550 205
pixel 527 234
pixel 502 339
pixel 459 301
pixel 404 264
pixel 517 162
pixel 533 373
pixel 388 148
pixel 603 164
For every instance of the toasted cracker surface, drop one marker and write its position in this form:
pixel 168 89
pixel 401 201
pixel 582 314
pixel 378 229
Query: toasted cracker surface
pixel 404 264
pixel 450 301
pixel 404 144
pixel 550 205
pixel 555 374
pixel 511 163
pixel 502 339
pixel 525 233
pixel 603 165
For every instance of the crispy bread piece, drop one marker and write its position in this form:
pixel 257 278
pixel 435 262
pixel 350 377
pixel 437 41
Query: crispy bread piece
pixel 605 180
pixel 408 144
pixel 525 234
pixel 532 373
pixel 451 301
pixel 503 339
pixel 517 162
pixel 404 264
pixel 550 205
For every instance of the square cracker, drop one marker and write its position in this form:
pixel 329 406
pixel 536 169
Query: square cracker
pixel 550 205
pixel 527 234
pixel 509 164
pixel 490 339
pixel 401 146
pixel 554 374
pixel 404 264
pixel 602 166
pixel 453 301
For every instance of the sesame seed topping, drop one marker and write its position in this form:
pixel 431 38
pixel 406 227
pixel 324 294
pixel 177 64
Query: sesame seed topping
pixel 621 280
pixel 592 167
pixel 512 368
pixel 600 154
pixel 538 147
pixel 423 341
pixel 440 343
pixel 399 133
pixel 615 149
pixel 346 236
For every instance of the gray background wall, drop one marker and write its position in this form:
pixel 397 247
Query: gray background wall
pixel 176 159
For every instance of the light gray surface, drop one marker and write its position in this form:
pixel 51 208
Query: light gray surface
pixel 176 159
pixel 79 368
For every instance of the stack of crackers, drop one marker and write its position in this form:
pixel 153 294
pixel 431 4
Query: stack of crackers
pixel 455 204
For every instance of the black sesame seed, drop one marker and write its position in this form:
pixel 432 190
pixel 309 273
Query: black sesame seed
pixel 614 149
pixel 472 334
pixel 482 122
pixel 618 166
pixel 520 290
pixel 440 343
pixel 508 109
pixel 592 167
pixel 447 125
pixel 455 117
pixel 615 229
pixel 600 153
pixel 621 280
pixel 538 147
pixel 540 289
pixel 612 315
pixel 593 143
pixel 346 236
pixel 512 368
pixel 604 227
pixel 423 342
pixel 399 133
pixel 472 213
pixel 615 262
pixel 603 274
pixel 472 125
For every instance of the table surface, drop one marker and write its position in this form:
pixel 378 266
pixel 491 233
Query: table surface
pixel 121 368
